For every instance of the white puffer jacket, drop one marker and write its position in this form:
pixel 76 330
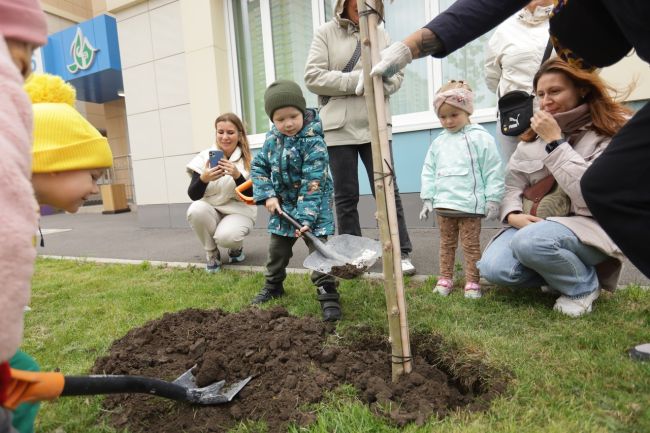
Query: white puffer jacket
pixel 514 52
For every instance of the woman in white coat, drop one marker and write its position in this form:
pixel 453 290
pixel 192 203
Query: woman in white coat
pixel 512 56
pixel 217 217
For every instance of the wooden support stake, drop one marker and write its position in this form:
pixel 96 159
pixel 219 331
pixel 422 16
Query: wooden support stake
pixel 384 191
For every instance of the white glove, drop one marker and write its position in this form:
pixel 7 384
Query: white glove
pixel 391 85
pixel 427 207
pixel 393 59
pixel 492 210
pixel 359 90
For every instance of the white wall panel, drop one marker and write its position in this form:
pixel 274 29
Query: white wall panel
pixel 176 130
pixel 150 181
pixel 144 135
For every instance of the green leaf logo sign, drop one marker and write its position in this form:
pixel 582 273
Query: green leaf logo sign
pixel 82 52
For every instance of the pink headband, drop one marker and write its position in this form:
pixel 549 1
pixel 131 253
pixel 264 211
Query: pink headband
pixel 23 20
pixel 459 98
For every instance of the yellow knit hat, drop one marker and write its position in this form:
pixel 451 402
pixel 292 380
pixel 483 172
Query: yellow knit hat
pixel 63 139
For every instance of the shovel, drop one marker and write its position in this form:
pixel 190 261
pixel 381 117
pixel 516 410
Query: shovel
pixel 344 256
pixel 29 386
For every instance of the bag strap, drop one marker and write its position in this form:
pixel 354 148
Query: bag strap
pixel 347 68
pixel 536 192
pixel 547 52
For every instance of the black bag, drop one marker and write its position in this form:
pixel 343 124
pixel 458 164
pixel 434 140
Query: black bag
pixel 515 111
pixel 516 107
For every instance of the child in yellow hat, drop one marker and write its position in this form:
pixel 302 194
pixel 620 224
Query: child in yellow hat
pixel 69 155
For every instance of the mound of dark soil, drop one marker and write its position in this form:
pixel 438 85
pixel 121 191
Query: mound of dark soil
pixel 294 360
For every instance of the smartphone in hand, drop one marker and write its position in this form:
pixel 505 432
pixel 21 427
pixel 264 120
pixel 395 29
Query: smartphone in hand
pixel 215 156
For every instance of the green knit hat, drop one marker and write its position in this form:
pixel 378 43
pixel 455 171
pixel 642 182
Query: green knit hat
pixel 283 93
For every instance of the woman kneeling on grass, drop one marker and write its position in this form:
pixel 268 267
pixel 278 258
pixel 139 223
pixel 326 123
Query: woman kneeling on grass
pixel 567 252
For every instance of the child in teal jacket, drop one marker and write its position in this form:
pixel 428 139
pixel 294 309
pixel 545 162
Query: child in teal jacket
pixel 291 174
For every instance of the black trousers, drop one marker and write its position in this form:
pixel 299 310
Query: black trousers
pixel 344 163
pixel 617 189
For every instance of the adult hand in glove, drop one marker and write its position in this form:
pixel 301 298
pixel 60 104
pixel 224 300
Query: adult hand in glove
pixel 391 85
pixel 492 210
pixel 427 207
pixel 393 59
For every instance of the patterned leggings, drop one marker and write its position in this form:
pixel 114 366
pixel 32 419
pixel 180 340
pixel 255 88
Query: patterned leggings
pixel 470 231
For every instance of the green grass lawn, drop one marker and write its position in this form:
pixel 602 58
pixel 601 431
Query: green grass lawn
pixel 570 375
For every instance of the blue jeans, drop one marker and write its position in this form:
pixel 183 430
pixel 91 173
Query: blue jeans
pixel 542 253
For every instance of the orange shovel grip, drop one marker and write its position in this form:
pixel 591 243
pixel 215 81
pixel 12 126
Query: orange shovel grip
pixel 240 192
pixel 31 386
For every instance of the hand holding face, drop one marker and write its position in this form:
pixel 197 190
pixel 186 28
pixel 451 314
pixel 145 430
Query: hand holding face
pixel 546 126
pixel 211 173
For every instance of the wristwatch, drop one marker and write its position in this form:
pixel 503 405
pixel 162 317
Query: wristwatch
pixel 550 147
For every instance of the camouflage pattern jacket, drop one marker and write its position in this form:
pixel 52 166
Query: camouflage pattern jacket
pixel 296 171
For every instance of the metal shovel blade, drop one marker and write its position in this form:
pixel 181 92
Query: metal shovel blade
pixel 352 256
pixel 215 393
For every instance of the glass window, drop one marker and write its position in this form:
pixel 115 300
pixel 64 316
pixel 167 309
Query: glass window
pixel 412 96
pixel 250 58
pixel 468 64
pixel 292 33
pixel 284 28
pixel 329 9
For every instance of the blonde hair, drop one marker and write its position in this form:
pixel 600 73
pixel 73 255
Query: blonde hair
pixel 243 138
pixel 454 84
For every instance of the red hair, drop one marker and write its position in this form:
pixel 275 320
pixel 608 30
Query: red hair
pixel 607 115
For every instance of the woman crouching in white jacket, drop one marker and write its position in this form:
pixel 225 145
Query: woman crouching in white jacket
pixel 217 217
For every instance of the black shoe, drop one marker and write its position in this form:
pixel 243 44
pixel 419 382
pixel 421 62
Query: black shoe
pixel 329 304
pixel 266 295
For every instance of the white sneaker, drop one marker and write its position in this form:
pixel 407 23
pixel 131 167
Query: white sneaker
pixel 407 265
pixel 576 307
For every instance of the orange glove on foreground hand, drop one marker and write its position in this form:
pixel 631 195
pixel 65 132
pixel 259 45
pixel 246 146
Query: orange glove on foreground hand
pixel 31 386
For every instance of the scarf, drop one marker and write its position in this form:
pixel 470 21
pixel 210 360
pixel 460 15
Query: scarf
pixel 540 15
pixel 573 122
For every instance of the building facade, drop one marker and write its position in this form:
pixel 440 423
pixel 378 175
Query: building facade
pixel 184 62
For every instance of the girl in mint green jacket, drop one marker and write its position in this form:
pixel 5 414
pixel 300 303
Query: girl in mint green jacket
pixel 462 179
